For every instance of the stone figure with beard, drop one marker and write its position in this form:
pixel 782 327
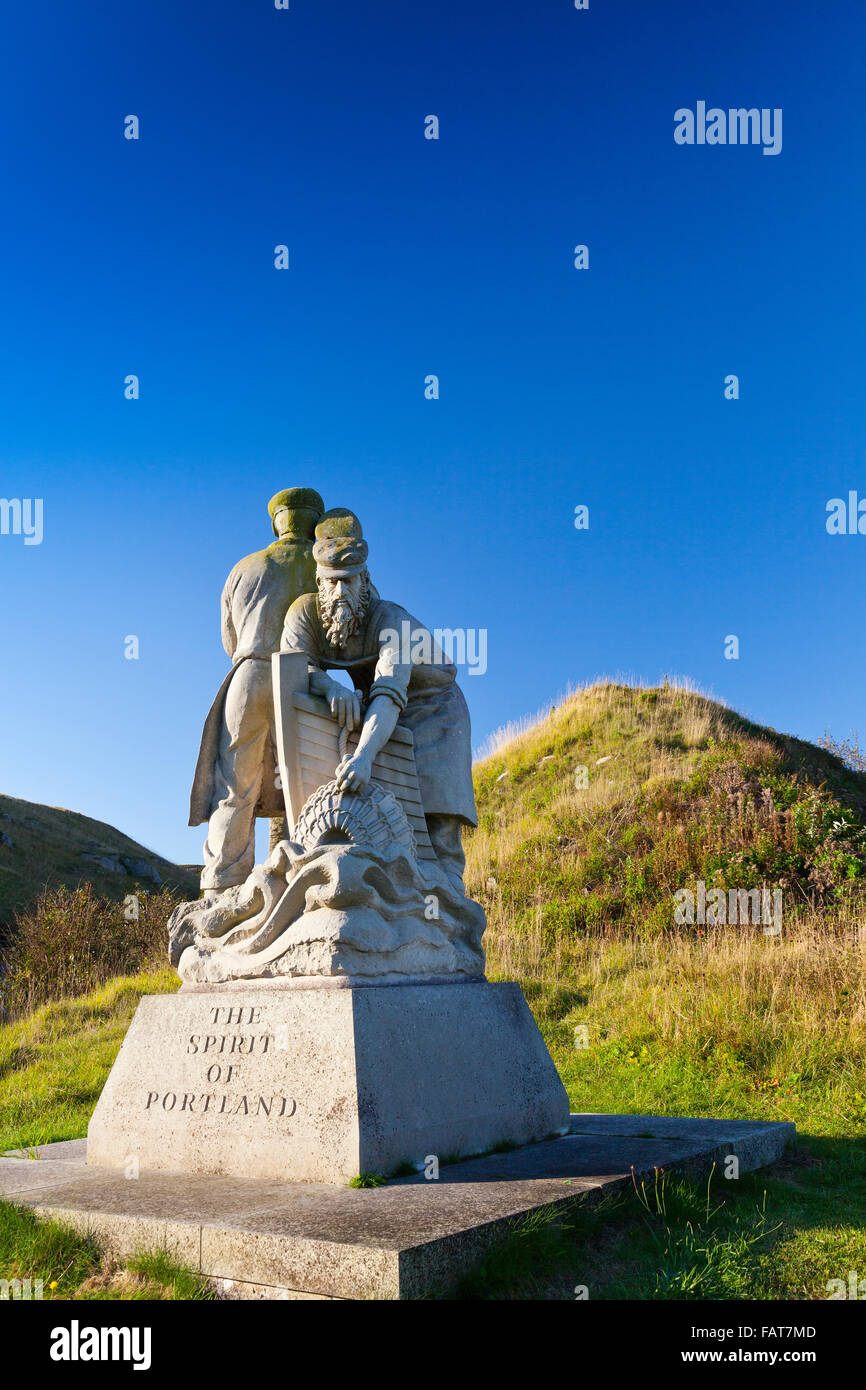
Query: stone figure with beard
pixel 400 675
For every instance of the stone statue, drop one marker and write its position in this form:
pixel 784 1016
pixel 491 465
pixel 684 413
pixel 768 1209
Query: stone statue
pixel 333 1018
pixel 234 778
pixel 370 881
pixel 399 674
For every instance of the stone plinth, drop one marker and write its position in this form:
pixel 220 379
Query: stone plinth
pixel 256 1238
pixel 319 1085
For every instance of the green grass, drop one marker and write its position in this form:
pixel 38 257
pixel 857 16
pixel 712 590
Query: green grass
pixel 779 1234
pixel 748 1029
pixel 640 1018
pixel 665 1240
pixel 533 1257
pixel 149 1275
pixel 34 1249
pixel 54 1062
pixel 73 1266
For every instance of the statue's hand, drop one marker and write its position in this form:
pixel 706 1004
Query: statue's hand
pixel 346 708
pixel 353 774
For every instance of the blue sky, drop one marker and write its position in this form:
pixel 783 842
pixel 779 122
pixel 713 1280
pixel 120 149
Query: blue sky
pixel 409 257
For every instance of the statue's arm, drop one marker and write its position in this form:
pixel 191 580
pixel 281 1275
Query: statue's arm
pixel 379 724
pixel 389 695
pixel 227 626
pixel 344 704
pixel 321 683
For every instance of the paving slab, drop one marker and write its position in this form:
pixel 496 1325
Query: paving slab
pixel 413 1238
pixel 64 1151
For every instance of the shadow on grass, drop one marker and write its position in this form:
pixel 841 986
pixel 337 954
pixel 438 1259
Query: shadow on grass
pixel 673 1237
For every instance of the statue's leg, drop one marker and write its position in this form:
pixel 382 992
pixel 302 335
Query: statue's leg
pixel 445 837
pixel 279 830
pixel 230 848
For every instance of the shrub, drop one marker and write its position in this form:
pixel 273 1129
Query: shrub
pixel 71 941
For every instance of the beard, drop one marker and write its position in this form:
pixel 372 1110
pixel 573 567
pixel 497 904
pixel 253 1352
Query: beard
pixel 341 619
pixel 341 623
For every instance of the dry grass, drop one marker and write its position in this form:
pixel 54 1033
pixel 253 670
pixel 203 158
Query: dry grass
pixel 808 980
pixel 601 690
pixel 732 1023
pixel 533 738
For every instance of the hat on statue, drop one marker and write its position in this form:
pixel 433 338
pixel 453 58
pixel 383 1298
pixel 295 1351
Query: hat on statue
pixel 340 550
pixel 296 499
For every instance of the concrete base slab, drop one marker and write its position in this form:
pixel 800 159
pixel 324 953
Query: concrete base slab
pixel 263 1239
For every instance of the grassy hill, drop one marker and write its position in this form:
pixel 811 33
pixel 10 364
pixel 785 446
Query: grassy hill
pixel 644 1016
pixel 589 823
pixel 594 817
pixel 46 846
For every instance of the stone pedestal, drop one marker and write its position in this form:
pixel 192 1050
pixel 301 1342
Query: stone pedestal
pixel 322 1084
